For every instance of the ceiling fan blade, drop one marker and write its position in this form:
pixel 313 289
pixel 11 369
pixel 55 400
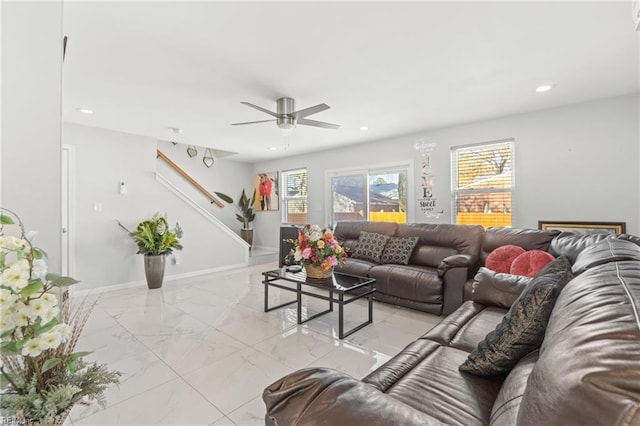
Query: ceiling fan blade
pixel 315 123
pixel 308 111
pixel 271 113
pixel 251 122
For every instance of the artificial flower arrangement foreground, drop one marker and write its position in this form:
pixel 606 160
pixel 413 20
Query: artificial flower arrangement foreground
pixel 42 376
pixel 317 247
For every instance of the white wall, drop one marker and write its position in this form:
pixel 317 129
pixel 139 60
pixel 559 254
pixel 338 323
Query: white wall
pixel 105 254
pixel 578 162
pixel 31 89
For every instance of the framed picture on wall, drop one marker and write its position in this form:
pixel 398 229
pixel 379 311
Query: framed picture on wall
pixel 267 196
pixel 584 227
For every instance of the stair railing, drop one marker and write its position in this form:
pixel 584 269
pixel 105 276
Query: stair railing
pixel 191 180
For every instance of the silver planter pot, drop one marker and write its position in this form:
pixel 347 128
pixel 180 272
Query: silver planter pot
pixel 154 269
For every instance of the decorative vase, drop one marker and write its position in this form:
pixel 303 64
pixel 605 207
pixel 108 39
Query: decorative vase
pixel 154 269
pixel 317 272
pixel 247 235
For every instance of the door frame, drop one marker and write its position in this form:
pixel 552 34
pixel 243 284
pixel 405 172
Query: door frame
pixel 67 206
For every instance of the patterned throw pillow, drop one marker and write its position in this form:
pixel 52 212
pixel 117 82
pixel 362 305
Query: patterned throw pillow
pixel 370 246
pixel 398 250
pixel 522 329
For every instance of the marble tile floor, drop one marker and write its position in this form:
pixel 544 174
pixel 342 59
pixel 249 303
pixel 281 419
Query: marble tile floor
pixel 200 351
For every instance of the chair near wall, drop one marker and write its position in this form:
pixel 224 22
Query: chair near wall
pixel 286 233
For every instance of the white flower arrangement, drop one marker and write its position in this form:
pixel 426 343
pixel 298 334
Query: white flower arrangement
pixel 41 375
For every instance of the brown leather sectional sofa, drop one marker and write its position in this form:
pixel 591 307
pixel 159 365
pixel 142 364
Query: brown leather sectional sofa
pixel 587 371
pixel 440 271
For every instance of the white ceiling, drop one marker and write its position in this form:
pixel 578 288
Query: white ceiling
pixel 395 67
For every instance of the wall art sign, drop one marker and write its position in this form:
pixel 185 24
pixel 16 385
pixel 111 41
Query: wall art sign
pixel 427 203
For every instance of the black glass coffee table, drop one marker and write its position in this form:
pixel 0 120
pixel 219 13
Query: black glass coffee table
pixel 347 288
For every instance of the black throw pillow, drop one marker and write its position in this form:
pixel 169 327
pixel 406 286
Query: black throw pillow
pixel 370 246
pixel 522 329
pixel 398 250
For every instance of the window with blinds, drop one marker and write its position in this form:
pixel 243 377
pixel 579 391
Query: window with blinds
pixel 294 196
pixel 482 183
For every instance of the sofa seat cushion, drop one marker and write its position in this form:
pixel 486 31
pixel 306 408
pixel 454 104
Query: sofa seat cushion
pixel 435 386
pixel 355 267
pixel 417 283
pixel 505 408
pixel 476 328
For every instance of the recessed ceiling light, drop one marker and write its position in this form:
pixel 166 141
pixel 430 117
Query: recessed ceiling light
pixel 363 128
pixel 272 148
pixel 545 87
pixel 85 110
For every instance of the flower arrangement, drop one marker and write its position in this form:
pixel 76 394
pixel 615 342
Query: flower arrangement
pixel 154 237
pixel 41 375
pixel 317 247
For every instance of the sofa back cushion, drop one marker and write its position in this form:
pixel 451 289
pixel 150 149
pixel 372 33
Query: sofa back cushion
pixel 570 245
pixel 605 251
pixel 438 241
pixel 528 239
pixel 348 231
pixel 587 371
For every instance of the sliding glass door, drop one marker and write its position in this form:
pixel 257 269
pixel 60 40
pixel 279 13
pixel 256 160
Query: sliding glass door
pixel 376 195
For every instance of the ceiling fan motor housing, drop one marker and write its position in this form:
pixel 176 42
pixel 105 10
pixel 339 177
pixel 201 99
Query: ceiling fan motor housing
pixel 285 106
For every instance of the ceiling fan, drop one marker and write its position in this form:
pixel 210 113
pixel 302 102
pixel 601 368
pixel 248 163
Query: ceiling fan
pixel 287 117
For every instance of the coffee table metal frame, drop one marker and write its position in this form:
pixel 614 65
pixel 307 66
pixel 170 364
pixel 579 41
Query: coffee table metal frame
pixel 340 284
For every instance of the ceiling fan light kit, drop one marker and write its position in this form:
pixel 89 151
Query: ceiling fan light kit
pixel 287 117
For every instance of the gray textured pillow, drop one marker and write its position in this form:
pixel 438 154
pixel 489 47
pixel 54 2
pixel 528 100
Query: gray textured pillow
pixel 398 250
pixel 370 246
pixel 522 328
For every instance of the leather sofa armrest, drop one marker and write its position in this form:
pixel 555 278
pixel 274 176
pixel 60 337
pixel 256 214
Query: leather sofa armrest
pixel 454 271
pixel 492 288
pixel 460 260
pixel 329 397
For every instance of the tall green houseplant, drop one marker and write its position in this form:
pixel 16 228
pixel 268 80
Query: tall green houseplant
pixel 245 214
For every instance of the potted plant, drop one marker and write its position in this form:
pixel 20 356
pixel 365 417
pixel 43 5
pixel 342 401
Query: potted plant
pixel 155 240
pixel 245 214
pixel 41 374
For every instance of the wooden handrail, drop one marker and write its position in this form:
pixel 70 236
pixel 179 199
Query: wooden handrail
pixel 184 174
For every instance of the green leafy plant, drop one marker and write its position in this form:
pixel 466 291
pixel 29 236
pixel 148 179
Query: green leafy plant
pixel 42 376
pixel 154 237
pixel 245 214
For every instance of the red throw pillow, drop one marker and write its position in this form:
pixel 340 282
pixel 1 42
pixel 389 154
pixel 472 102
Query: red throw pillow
pixel 500 259
pixel 530 263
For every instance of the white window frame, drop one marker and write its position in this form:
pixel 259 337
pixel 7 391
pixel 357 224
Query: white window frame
pixel 455 191
pixel 285 197
pixel 368 169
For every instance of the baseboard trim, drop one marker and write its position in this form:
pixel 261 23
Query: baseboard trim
pixel 168 278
